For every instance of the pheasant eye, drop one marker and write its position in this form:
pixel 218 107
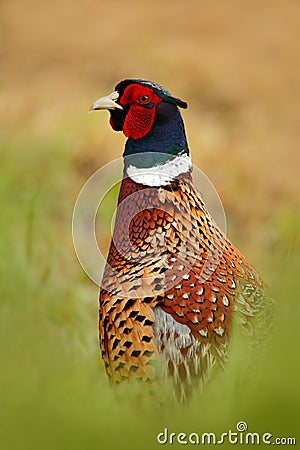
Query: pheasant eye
pixel 143 99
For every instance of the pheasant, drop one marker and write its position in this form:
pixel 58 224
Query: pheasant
pixel 173 281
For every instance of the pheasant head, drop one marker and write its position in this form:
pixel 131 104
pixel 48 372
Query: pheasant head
pixel 149 117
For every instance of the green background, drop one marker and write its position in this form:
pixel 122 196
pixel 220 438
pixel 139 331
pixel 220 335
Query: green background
pixel 236 65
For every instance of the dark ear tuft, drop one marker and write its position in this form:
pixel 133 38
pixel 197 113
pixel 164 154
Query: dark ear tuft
pixel 175 101
pixel 181 103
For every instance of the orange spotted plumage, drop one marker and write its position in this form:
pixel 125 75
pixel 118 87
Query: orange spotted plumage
pixel 173 281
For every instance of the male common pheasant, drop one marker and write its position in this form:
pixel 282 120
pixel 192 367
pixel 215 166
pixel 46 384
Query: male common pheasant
pixel 172 281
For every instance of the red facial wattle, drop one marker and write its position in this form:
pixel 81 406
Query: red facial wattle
pixel 112 124
pixel 140 117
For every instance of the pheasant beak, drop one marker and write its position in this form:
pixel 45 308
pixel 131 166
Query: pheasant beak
pixel 108 102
